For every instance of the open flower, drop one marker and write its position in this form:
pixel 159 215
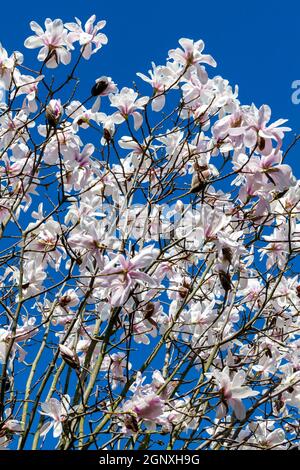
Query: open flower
pixel 54 42
pixel 160 79
pixel 232 391
pixel 127 102
pixel 87 36
pixel 121 275
pixel 58 412
pixel 191 53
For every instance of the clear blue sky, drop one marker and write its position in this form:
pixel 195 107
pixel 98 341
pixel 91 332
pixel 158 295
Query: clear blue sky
pixel 256 44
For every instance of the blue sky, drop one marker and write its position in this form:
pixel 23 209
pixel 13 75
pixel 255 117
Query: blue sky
pixel 256 45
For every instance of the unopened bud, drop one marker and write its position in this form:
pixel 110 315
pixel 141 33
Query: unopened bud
pixel 53 112
pixel 225 280
pixel 106 135
pixel 200 177
pixel 227 254
pixel 131 423
pixel 99 87
pixel 69 356
pixel 149 310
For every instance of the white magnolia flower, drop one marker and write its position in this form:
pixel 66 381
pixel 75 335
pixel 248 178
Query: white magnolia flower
pixel 232 391
pixel 58 412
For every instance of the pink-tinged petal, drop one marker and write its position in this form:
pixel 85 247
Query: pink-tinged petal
pixel 118 118
pixel 89 23
pixel 236 131
pixel 243 392
pixel 33 42
pixel 74 27
pixel 88 150
pixel 145 257
pixel 101 24
pixel 46 428
pixel 276 437
pixel 264 114
pixel 65 56
pixel 278 123
pixel 57 429
pixel 188 44
pixel 87 51
pixel 250 138
pixel 141 102
pixel 144 77
pixel 208 59
pixel 274 158
pixel 138 120
pixel 100 39
pixel 36 28
pixel 238 379
pixel 55 407
pixel 46 408
pixel 139 276
pixel 158 103
pixel 120 294
pixel 238 408
pixel 221 411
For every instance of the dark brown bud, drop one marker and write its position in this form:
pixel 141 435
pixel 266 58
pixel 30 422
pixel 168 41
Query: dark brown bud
pixel 261 143
pixel 298 291
pixel 279 404
pixel 227 254
pixel 149 310
pixel 200 177
pixel 225 280
pixel 183 292
pixel 237 123
pixel 99 88
pixel 131 423
pixel 53 112
pixel 269 353
pixel 70 357
pixel 106 135
pixel 184 289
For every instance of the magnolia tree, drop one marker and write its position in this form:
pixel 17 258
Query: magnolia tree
pixel 149 293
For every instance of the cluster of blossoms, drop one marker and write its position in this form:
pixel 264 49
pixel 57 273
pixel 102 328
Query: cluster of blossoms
pixel 148 284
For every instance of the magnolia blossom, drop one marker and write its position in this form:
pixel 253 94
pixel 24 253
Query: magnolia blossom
pixel 160 79
pixel 28 85
pixel 128 103
pixel 57 411
pixel 232 391
pixel 54 42
pixel 121 275
pixel 191 53
pixel 88 36
pixel 8 66
pixel 22 333
pixel 54 111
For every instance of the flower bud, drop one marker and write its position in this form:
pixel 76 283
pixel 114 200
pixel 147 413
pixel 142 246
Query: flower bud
pixel 149 310
pixel 200 177
pixel 103 86
pixel 69 356
pixel 131 423
pixel 99 87
pixel 227 254
pixel 225 280
pixel 54 112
